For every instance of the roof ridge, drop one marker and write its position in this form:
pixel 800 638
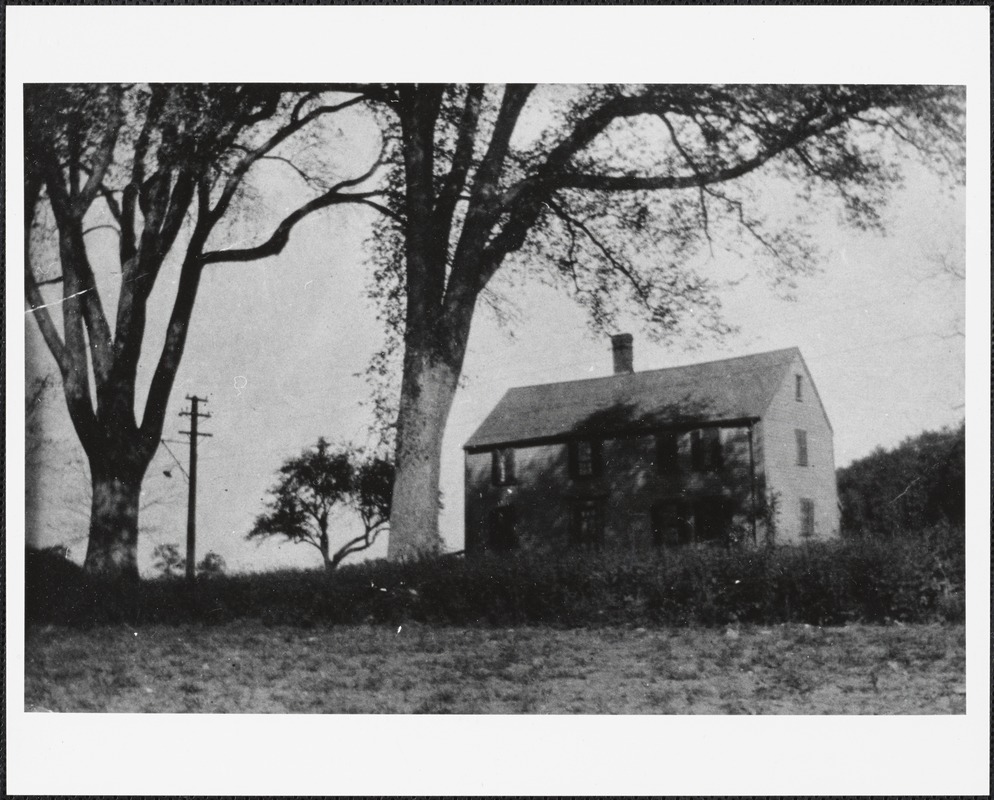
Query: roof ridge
pixel 657 370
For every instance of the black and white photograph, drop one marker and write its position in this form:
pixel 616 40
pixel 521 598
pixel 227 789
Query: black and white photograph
pixel 500 397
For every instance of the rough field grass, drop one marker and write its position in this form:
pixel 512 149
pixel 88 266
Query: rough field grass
pixel 251 667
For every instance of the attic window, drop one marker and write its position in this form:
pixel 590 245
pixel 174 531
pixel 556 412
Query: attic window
pixel 585 458
pixel 502 466
pixel 798 384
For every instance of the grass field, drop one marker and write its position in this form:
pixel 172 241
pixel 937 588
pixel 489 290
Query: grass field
pixel 250 667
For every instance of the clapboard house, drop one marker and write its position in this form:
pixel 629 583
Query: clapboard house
pixel 655 459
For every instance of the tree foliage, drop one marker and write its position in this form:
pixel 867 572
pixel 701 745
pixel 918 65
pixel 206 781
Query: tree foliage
pixel 168 560
pixel 898 492
pixel 313 485
pixel 171 563
pixel 165 167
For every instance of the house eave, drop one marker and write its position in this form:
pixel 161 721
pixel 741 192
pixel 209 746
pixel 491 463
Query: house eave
pixel 613 433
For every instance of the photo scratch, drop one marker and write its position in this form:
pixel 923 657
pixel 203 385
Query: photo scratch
pixel 57 302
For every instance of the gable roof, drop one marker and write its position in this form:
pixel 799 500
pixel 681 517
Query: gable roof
pixel 730 389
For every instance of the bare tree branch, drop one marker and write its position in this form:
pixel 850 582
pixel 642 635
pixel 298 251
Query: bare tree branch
pixel 279 238
pixel 748 225
pixel 38 307
pixel 91 230
pixel 696 170
pixel 243 166
pixel 641 290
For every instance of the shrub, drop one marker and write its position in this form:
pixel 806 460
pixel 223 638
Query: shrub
pixel 916 580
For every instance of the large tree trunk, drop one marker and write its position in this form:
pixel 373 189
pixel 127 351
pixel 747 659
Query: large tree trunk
pixel 428 388
pixel 112 552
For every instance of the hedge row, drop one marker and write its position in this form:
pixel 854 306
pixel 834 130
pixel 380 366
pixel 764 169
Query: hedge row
pixel 821 583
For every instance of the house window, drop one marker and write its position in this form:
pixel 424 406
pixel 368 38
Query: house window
pixel 502 534
pixel 502 467
pixel 671 523
pixel 712 518
pixel 802 447
pixel 588 523
pixel 705 450
pixel 798 383
pixel 696 451
pixel 807 517
pixel 585 458
pixel 668 453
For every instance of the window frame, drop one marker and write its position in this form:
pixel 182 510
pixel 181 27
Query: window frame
pixel 707 452
pixel 798 386
pixel 803 452
pixel 697 461
pixel 503 466
pixel 807 517
pixel 596 462
pixel 579 506
pixel 668 453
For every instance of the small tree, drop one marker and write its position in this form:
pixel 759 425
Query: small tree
pixel 312 484
pixel 211 565
pixel 370 498
pixel 169 562
pixel 167 559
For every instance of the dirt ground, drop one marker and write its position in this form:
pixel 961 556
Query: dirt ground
pixel 248 667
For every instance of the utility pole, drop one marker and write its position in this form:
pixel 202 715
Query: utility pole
pixel 191 509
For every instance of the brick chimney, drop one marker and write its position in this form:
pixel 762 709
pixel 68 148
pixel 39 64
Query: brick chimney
pixel 621 344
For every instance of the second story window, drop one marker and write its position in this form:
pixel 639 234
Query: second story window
pixel 696 451
pixel 802 447
pixel 668 453
pixel 798 388
pixel 502 466
pixel 706 452
pixel 585 458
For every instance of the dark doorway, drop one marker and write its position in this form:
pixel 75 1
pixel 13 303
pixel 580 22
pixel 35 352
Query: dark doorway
pixel 503 536
pixel 712 519
pixel 671 523
pixel 587 529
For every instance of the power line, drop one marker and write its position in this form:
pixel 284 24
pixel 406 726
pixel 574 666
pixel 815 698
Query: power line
pixel 178 464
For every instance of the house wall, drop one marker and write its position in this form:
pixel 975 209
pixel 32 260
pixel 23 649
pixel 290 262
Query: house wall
pixel 629 484
pixel 783 475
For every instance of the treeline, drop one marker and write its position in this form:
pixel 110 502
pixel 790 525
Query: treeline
pixel 918 485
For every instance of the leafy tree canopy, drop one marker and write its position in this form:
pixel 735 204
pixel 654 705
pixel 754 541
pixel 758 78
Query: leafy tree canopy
pixel 310 487
pixel 607 192
pixel 897 492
